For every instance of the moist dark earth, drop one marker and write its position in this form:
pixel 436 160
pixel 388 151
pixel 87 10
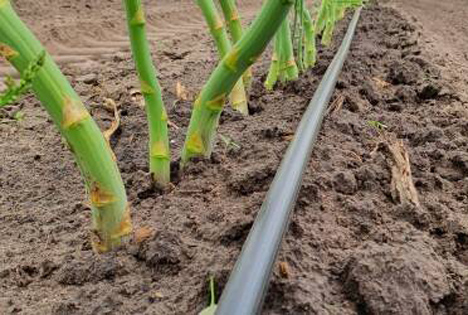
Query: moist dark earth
pixel 353 246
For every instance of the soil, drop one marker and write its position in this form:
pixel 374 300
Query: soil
pixel 355 246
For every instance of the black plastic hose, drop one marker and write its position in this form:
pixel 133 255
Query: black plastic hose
pixel 248 283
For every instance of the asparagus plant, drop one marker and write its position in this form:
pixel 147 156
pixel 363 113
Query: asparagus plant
pixel 299 31
pixel 273 73
pixel 331 11
pixel 283 65
pixel 209 104
pixel 305 47
pixel 238 96
pixel 232 18
pixel 288 66
pixel 159 152
pixel 310 49
pixel 108 200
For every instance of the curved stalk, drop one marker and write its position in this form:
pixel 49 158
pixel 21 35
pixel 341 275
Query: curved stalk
pixel 110 210
pixel 159 152
pixel 209 105
pixel 232 17
pixel 238 96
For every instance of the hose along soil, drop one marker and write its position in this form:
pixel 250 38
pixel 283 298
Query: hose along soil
pixel 248 283
pixel 355 244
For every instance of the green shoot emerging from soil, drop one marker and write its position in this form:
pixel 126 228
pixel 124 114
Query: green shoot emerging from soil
pixel 211 309
pixel 379 126
pixel 159 155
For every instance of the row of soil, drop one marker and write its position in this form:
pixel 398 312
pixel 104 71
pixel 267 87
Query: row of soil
pixel 353 246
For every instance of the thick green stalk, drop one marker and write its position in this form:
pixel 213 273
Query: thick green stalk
pixel 232 17
pixel 159 152
pixel 299 13
pixel 274 71
pixel 288 66
pixel 330 24
pixel 209 105
pixel 238 97
pixel 322 16
pixel 108 200
pixel 310 49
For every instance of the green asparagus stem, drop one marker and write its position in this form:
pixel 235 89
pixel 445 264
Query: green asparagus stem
pixel 283 66
pixel 208 106
pixel 330 24
pixel 310 49
pixel 299 13
pixel 288 66
pixel 238 97
pixel 331 11
pixel 273 72
pixel 110 210
pixel 159 152
pixel 232 17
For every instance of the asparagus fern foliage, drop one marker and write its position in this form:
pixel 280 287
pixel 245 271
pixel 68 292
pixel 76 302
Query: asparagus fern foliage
pixel 15 90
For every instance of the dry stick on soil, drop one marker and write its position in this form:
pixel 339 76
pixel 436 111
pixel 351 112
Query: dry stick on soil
pixel 402 186
pixel 209 105
pixel 232 17
pixel 112 106
pixel 159 152
pixel 238 96
pixel 110 210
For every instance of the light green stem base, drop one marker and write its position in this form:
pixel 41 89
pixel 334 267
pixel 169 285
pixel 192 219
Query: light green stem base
pixel 159 152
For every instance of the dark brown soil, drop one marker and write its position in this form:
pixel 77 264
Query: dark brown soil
pixel 352 246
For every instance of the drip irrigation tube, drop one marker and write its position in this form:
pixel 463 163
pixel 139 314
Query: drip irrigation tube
pixel 248 283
